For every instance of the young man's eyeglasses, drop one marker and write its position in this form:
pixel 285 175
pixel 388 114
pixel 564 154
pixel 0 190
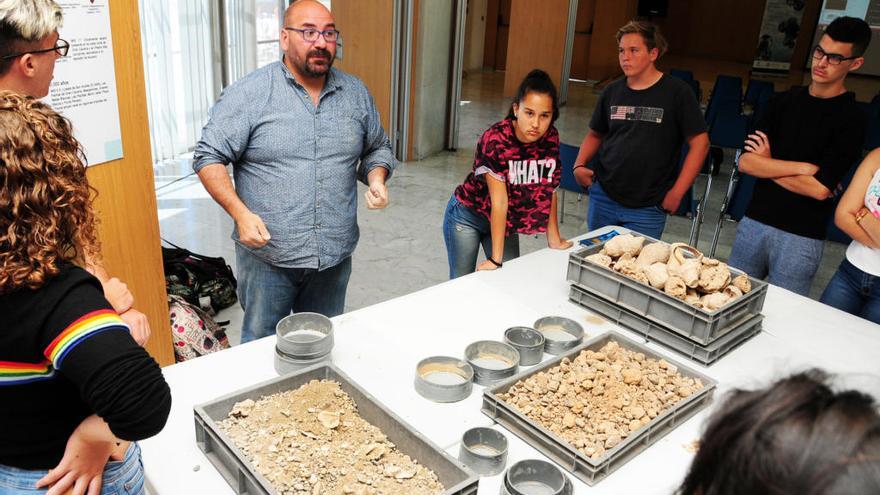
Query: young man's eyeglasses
pixel 311 35
pixel 61 48
pixel 833 58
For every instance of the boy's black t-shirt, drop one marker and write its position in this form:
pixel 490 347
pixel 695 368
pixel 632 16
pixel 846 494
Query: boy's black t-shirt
pixel 643 132
pixel 827 132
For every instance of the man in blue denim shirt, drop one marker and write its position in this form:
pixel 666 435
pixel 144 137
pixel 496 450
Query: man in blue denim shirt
pixel 299 134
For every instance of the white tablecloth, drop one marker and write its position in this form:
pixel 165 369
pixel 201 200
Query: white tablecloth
pixel 379 346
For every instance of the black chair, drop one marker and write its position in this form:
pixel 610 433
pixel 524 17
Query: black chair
pixel 872 131
pixel 725 99
pixel 690 206
pixel 567 155
pixel 759 108
pixel 833 232
pixel 756 89
pixel 682 74
pixel 688 77
pixel 736 200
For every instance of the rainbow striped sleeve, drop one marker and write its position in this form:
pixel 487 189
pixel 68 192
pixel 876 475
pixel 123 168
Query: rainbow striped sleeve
pixel 81 329
pixel 13 373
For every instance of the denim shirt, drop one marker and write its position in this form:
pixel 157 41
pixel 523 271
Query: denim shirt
pixel 294 165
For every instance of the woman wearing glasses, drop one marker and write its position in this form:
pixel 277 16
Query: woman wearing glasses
pixel 76 389
pixel 512 188
pixel 29 46
pixel 855 287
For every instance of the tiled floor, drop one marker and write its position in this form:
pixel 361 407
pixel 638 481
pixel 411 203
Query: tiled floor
pixel 401 248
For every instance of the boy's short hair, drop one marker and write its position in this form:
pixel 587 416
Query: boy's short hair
pixel 850 30
pixel 24 23
pixel 650 33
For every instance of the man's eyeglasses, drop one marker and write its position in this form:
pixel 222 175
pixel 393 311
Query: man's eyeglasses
pixel 833 58
pixel 311 35
pixel 61 48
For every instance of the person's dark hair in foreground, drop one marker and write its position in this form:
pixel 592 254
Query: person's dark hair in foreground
pixel 797 436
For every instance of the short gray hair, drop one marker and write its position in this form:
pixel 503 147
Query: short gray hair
pixel 29 20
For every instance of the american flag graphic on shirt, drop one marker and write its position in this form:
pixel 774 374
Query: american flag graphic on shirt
pixel 644 114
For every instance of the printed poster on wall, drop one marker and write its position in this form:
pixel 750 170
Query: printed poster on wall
pixel 84 86
pixel 779 33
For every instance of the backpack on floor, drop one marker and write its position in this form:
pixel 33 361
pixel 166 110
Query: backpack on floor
pixel 193 332
pixel 204 281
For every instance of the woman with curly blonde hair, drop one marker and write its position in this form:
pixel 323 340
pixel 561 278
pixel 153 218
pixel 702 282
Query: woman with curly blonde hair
pixel 75 386
pixel 45 202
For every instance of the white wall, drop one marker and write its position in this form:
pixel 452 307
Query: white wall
pixel 433 58
pixel 475 34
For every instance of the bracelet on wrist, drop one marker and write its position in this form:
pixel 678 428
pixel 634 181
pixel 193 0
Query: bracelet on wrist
pixel 582 165
pixel 498 264
pixel 861 214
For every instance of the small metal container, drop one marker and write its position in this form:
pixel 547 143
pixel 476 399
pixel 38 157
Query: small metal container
pixel 304 335
pixel 492 361
pixel 444 379
pixel 528 341
pixel 484 450
pixel 535 477
pixel 285 363
pixel 560 334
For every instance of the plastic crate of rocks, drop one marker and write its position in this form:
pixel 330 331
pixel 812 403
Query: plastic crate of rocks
pixel 675 315
pixel 240 473
pixel 593 468
pixel 652 332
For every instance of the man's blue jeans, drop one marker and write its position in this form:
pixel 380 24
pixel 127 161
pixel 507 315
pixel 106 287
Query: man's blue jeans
pixel 464 230
pixel 604 211
pixel 125 477
pixel 268 293
pixel 789 259
pixel 854 291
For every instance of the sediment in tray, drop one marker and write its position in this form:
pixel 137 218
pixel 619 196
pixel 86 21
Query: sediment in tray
pixel 599 398
pixel 312 441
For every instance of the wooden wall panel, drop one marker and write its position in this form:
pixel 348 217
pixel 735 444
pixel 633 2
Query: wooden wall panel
pixel 414 53
pixel 583 26
pixel 367 36
pixel 721 29
pixel 126 203
pixel 609 16
pixel 804 42
pixel 692 28
pixel 537 42
pixel 491 39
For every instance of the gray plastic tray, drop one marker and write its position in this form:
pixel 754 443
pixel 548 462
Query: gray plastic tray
pixel 652 332
pixel 697 324
pixel 588 470
pixel 241 476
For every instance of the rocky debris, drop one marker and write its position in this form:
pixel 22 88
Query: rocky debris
pixel 624 244
pixel 601 397
pixel 679 270
pixel 311 441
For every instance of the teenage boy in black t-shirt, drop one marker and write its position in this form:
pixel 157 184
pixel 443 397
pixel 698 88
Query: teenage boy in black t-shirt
pixel 638 129
pixel 802 148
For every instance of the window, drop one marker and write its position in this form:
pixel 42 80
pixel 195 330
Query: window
pixel 269 19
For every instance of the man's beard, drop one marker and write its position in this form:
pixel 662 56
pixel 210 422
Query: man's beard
pixel 313 70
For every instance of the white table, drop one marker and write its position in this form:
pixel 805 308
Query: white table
pixel 379 346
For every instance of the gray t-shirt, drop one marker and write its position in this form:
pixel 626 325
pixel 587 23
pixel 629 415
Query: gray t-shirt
pixel 643 135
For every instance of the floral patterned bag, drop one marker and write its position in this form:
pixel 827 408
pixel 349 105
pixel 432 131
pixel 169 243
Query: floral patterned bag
pixel 193 331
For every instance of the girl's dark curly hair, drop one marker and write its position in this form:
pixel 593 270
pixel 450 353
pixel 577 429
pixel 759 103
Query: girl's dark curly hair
pixel 46 218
